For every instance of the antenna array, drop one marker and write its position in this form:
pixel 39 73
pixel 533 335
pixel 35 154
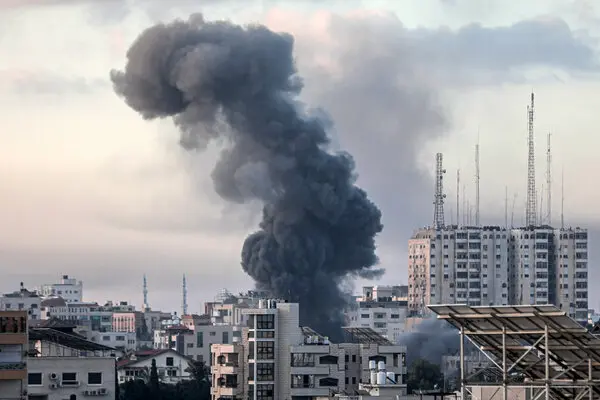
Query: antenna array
pixel 549 182
pixel 438 201
pixel 477 182
pixel 531 208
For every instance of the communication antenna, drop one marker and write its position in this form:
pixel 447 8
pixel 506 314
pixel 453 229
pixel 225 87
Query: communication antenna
pixel 531 208
pixel 438 214
pixel 549 182
pixel 541 217
pixel 477 181
pixel 458 197
pixel 506 206
pixel 184 306
pixel 512 213
pixel 464 205
pixel 145 293
pixel 562 200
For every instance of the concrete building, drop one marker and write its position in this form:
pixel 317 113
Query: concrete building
pixel 13 354
pixel 550 266
pixel 381 308
pixel 278 359
pixel 492 265
pixel 195 342
pixel 125 341
pixel 172 367
pixel 62 365
pixel 20 300
pixel 128 321
pixel 68 288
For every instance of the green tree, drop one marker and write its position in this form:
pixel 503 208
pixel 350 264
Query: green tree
pixel 424 375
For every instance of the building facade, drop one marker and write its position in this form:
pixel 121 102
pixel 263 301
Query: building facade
pixel 68 288
pixel 381 308
pixel 498 266
pixel 278 359
pixel 13 354
pixel 171 366
pixel 22 300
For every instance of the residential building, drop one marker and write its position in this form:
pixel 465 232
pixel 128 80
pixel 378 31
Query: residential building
pixel 128 321
pixel 125 341
pixel 381 308
pixel 278 359
pixel 90 315
pixel 13 354
pixel 63 365
pixel 195 343
pixel 71 290
pixel 172 367
pixel 22 299
pixel 550 266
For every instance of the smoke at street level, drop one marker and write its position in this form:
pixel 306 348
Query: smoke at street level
pixel 238 85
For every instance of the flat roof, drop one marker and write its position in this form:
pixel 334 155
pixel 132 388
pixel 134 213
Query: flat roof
pixel 65 339
pixel 364 336
pixel 571 347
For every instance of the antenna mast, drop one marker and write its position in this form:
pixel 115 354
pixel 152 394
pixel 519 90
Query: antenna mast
pixel 184 306
pixel 562 201
pixel 506 206
pixel 145 293
pixel 438 214
pixel 549 182
pixel 457 197
pixel 477 181
pixel 531 209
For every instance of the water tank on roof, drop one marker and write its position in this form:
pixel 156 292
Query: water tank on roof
pixel 381 376
pixel 373 378
pixel 381 365
pixel 372 365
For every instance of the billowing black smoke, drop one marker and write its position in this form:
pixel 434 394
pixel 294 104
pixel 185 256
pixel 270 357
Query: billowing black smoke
pixel 430 340
pixel 238 85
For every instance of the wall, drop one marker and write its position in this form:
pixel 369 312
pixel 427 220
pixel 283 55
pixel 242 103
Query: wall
pixel 180 364
pixel 81 366
pixel 11 389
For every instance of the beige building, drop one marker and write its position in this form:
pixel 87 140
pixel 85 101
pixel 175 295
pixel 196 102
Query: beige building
pixel 13 354
pixel 278 359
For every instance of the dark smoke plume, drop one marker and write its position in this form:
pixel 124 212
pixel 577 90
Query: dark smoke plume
pixel 238 85
pixel 431 339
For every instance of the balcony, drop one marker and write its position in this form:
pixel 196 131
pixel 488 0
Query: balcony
pixel 225 368
pixel 13 338
pixel 13 370
pixel 311 370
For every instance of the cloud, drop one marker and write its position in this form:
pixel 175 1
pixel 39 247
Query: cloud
pixel 48 82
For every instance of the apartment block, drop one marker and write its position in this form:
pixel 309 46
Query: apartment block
pixel 70 289
pixel 498 266
pixel 381 308
pixel 13 354
pixel 278 359
pixel 22 300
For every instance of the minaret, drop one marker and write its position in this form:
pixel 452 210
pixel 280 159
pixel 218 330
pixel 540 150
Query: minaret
pixel 184 306
pixel 145 307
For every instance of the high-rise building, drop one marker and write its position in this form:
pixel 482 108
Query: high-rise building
pixel 466 265
pixel 498 266
pixel 278 359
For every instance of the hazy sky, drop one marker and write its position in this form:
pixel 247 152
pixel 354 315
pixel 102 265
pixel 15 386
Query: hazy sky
pixel 90 189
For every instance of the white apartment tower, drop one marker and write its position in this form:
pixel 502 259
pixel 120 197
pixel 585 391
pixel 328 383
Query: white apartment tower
pixel 466 265
pixel 68 288
pixel 550 266
pixel 498 266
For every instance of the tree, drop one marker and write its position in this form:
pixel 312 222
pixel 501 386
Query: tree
pixel 424 375
pixel 154 384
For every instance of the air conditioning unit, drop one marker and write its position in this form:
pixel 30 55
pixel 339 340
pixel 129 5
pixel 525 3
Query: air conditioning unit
pixel 53 386
pixel 53 376
pixel 86 393
pixel 102 391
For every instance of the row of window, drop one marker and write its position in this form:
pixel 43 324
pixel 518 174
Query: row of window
pixel 13 325
pixel 67 378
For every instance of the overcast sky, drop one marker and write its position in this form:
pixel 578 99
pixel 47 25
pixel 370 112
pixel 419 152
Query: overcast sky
pixel 90 189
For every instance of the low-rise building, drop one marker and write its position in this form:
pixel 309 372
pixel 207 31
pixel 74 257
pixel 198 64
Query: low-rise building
pixel 62 365
pixel 22 300
pixel 277 359
pixel 13 354
pixel 171 366
pixel 71 290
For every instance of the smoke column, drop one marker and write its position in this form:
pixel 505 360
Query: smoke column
pixel 431 339
pixel 238 86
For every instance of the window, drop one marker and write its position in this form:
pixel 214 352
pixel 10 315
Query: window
pixel 94 378
pixel 265 392
pixel 170 361
pixel 200 339
pixel 265 372
pixel 225 337
pixel 34 378
pixel 265 350
pixel 265 334
pixel 266 321
pixel 69 378
pixel 120 338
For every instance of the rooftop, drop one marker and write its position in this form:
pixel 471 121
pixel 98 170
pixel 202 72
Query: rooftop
pixel 65 339
pixel 364 336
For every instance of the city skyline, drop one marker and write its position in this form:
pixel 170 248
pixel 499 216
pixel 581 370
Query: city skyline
pixel 93 192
